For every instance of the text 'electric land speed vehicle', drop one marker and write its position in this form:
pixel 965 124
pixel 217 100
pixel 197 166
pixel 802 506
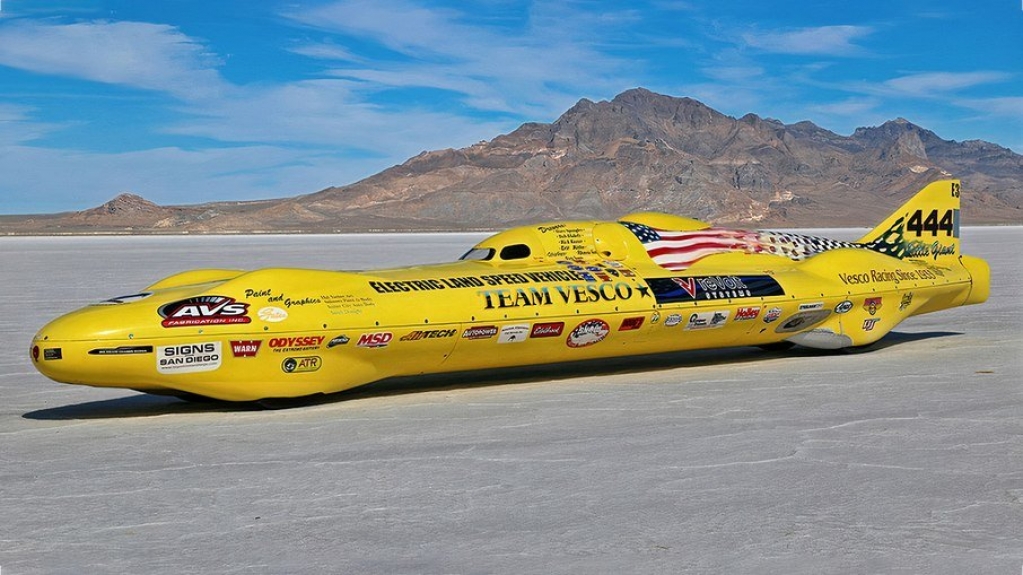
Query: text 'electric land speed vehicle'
pixel 547 293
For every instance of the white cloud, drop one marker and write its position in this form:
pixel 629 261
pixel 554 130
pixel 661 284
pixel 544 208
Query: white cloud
pixel 934 83
pixel 820 41
pixel 133 54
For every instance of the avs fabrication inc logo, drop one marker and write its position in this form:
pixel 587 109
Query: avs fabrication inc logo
pixel 204 310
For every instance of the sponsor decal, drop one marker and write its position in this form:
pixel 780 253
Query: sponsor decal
pixel 204 310
pixel 52 353
pixel 126 298
pixel 513 333
pixel 802 320
pixel 872 304
pixel 844 307
pixel 480 332
pixel 339 340
pixel 296 343
pixel 587 333
pixel 888 276
pixel 549 329
pixel 698 288
pixel 673 320
pixel 573 294
pixel 631 323
pixel 747 313
pixel 122 350
pixel 811 306
pixel 301 364
pixel 272 314
pixel 907 300
pixel 375 339
pixel 245 348
pixel 656 317
pixel 428 334
pixel 707 320
pixel 869 323
pixel 188 358
pixel 772 315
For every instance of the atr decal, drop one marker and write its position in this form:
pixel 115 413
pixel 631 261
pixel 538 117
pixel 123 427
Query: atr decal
pixel 188 358
pixel 428 334
pixel 204 310
pixel 301 364
pixel 588 333
pixel 246 348
pixel 480 332
pixel 686 289
pixel 122 350
pixel 707 320
pixel 377 339
pixel 872 304
pixel 631 323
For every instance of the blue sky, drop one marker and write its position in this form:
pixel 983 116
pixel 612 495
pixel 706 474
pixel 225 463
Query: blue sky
pixel 182 101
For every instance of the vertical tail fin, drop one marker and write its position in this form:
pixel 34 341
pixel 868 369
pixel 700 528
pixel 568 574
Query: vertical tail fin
pixel 925 227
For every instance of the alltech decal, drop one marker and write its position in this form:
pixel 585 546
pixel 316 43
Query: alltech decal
pixel 204 310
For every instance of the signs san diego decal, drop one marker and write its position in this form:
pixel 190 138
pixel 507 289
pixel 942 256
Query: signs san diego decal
pixel 204 310
pixel 188 358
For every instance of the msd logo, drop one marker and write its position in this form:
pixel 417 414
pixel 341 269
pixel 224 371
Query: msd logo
pixel 378 339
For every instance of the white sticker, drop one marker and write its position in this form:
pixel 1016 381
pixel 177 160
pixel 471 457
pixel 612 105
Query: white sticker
pixel 513 333
pixel 188 357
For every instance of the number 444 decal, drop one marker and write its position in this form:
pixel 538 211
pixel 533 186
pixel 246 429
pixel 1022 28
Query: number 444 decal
pixel 934 222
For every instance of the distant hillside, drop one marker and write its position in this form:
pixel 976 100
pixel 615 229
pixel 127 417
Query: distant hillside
pixel 600 160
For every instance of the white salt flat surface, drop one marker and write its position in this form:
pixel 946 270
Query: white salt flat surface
pixel 907 459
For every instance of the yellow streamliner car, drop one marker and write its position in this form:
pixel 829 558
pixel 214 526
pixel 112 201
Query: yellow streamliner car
pixel 552 292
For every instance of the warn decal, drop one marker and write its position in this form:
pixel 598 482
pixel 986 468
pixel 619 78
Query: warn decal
pixel 204 310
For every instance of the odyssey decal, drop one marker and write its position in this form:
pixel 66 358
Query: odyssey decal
pixel 299 343
pixel 204 310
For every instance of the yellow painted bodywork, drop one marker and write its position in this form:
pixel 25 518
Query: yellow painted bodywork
pixel 555 292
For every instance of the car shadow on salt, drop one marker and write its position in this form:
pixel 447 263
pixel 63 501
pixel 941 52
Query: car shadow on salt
pixel 147 405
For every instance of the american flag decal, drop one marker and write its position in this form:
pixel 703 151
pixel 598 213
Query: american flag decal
pixel 678 250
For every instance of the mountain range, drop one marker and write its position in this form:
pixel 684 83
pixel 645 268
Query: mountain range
pixel 641 151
